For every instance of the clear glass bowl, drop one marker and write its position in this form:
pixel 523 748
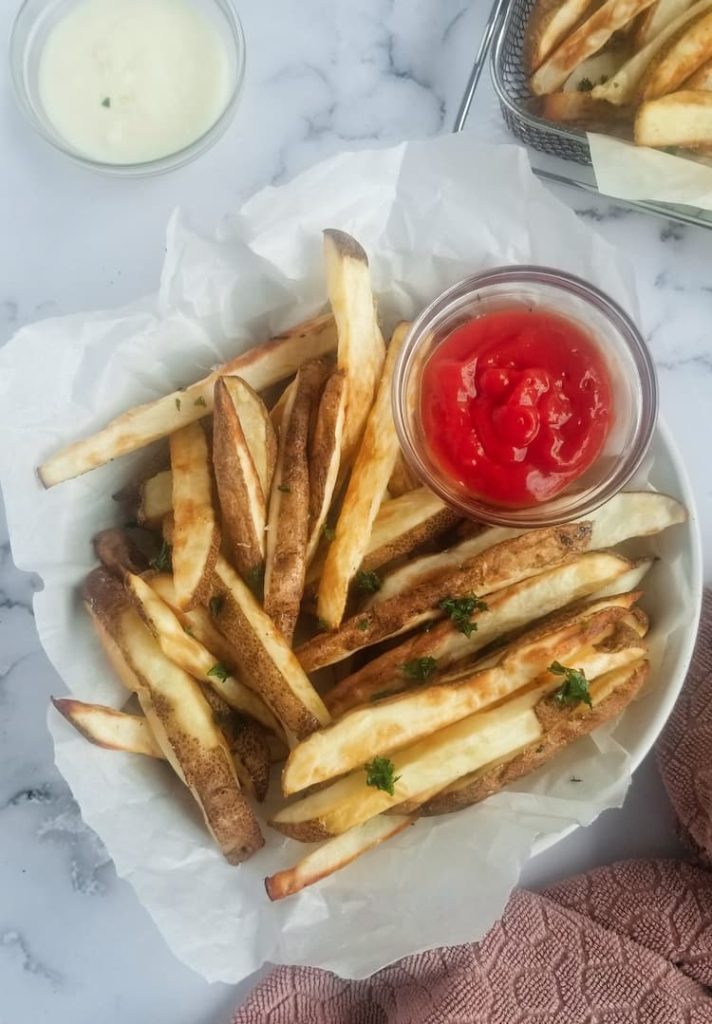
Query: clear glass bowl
pixel 36 19
pixel 630 366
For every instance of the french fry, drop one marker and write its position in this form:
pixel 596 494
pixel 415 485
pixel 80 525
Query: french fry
pixel 361 350
pixel 155 498
pixel 507 610
pixel 325 456
pixel 260 367
pixel 589 38
pixel 248 745
pixel 106 727
pixel 196 534
pixel 263 655
pixel 493 569
pixel 369 478
pixel 682 119
pixel 179 715
pixel 402 720
pixel 610 695
pixel 549 23
pixel 701 81
pixel 686 51
pixel 435 761
pixel 184 648
pixel 628 514
pixel 656 18
pixel 335 854
pixel 243 505
pixel 581 110
pixel 288 525
pixel 623 88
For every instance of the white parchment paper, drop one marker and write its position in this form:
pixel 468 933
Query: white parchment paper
pixel 428 213
pixel 625 171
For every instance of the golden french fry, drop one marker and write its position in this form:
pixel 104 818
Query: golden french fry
pixel 402 479
pixel 263 655
pixel 589 38
pixel 325 456
pixel 335 854
pixel 360 347
pixel 196 534
pixel 288 524
pixel 106 727
pixel 581 110
pixel 155 498
pixel 399 721
pixel 240 489
pixel 549 23
pixel 260 367
pixel 701 81
pixel 682 119
pixel 686 51
pixel 438 760
pixel 656 18
pixel 367 485
pixel 179 715
pixel 493 569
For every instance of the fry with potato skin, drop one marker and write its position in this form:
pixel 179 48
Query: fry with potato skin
pixel 288 524
pixel 155 498
pixel 367 485
pixel 260 367
pixel 263 655
pixel 325 456
pixel 335 854
pixel 549 23
pixel 361 351
pixel 402 720
pixel 196 533
pixel 179 715
pixel 493 569
pixel 108 728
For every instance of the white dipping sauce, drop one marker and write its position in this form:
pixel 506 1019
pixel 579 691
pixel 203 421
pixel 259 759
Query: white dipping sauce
pixel 128 81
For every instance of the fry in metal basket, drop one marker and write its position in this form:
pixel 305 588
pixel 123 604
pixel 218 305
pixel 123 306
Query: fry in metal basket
pixel 682 119
pixel 196 533
pixel 685 52
pixel 367 485
pixel 288 524
pixel 179 715
pixel 549 23
pixel 589 38
pixel 360 348
pixel 260 367
pixel 656 18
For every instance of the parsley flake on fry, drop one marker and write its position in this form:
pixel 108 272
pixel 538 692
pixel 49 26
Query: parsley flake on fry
pixel 380 773
pixel 368 582
pixel 574 690
pixel 163 560
pixel 420 669
pixel 219 671
pixel 460 609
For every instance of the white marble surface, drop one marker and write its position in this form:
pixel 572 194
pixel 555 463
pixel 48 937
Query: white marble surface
pixel 75 946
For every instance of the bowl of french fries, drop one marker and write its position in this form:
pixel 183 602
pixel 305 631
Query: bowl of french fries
pixel 302 686
pixel 637 69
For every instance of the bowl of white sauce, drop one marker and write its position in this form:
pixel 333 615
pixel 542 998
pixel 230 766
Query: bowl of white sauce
pixel 129 87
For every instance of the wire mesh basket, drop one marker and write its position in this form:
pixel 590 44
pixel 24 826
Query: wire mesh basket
pixel 511 83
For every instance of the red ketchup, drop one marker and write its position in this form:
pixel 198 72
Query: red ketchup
pixel 515 405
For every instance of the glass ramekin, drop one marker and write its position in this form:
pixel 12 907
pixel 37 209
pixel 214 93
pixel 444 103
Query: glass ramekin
pixel 34 22
pixel 631 370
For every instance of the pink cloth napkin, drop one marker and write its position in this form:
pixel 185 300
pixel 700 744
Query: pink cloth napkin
pixel 625 944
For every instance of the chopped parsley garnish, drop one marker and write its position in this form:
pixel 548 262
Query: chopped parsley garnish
pixel 201 402
pixel 131 524
pixel 380 773
pixel 177 401
pixel 585 85
pixel 163 561
pixel 106 102
pixel 460 609
pixel 574 779
pixel 574 690
pixel 219 671
pixel 284 489
pixel 420 668
pixel 216 603
pixel 368 582
pixel 328 531
pixel 362 624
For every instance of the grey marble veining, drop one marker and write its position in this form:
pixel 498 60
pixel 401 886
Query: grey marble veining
pixel 75 946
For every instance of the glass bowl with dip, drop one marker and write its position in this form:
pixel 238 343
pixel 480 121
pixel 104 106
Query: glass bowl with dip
pixel 524 397
pixel 129 87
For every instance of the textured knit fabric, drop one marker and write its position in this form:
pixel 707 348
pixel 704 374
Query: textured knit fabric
pixel 626 944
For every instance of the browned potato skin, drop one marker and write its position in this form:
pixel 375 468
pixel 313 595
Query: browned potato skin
pixel 537 549
pixel 115 550
pixel 247 742
pixel 406 543
pixel 562 726
pixel 322 447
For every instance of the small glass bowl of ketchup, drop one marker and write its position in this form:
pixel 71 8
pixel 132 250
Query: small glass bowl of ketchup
pixel 524 397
